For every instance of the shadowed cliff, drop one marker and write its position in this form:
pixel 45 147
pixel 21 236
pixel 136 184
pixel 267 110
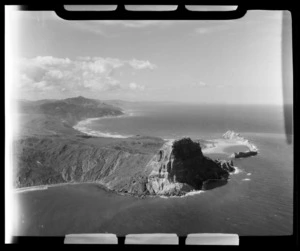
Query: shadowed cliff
pixel 181 167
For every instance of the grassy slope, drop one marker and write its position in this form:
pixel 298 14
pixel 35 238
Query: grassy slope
pixel 50 151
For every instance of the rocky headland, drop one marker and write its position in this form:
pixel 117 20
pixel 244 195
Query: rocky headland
pixel 50 151
pixel 180 167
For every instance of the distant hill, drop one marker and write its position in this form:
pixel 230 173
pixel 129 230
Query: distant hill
pixel 60 115
pixel 78 108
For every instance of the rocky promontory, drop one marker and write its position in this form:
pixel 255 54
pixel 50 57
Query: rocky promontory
pixel 246 154
pixel 181 167
pixel 231 135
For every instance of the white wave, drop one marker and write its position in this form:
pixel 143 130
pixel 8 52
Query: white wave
pixel 249 174
pixel 192 193
pixel 164 197
pixel 28 189
pixel 100 134
pixel 246 179
pixel 237 170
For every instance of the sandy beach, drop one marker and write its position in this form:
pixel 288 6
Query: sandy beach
pixel 82 126
pixel 45 187
pixel 41 187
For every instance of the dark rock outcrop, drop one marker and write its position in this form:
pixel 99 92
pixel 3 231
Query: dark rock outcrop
pixel 185 148
pixel 243 154
pixel 226 165
pixel 191 167
pixel 184 168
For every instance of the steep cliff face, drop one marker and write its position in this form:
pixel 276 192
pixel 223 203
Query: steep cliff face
pixel 160 181
pixel 180 167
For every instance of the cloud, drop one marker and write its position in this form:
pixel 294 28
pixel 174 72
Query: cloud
pixel 136 87
pixel 55 74
pixel 139 64
pixel 49 60
pixel 92 74
pixel 42 85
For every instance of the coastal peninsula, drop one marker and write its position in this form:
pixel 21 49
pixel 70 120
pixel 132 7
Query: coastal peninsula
pixel 51 151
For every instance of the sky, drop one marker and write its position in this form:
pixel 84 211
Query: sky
pixel 228 62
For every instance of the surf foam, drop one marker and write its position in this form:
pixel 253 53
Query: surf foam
pixel 237 170
pixel 82 126
pixel 191 193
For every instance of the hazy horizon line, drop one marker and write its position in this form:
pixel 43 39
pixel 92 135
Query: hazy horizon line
pixel 160 101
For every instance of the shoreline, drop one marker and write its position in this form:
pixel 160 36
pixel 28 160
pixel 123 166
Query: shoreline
pixel 45 187
pixel 39 187
pixel 213 146
pixel 81 126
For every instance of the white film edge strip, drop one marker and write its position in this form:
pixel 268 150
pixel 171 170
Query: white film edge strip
pixel 212 239
pixel 91 239
pixel 154 239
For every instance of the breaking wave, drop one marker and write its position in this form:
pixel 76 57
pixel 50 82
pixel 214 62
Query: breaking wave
pixel 246 179
pixel 192 193
pixel 237 170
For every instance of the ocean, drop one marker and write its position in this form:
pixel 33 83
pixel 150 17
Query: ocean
pixel 256 200
pixel 195 121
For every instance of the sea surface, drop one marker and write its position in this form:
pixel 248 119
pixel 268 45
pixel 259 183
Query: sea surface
pixel 256 200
